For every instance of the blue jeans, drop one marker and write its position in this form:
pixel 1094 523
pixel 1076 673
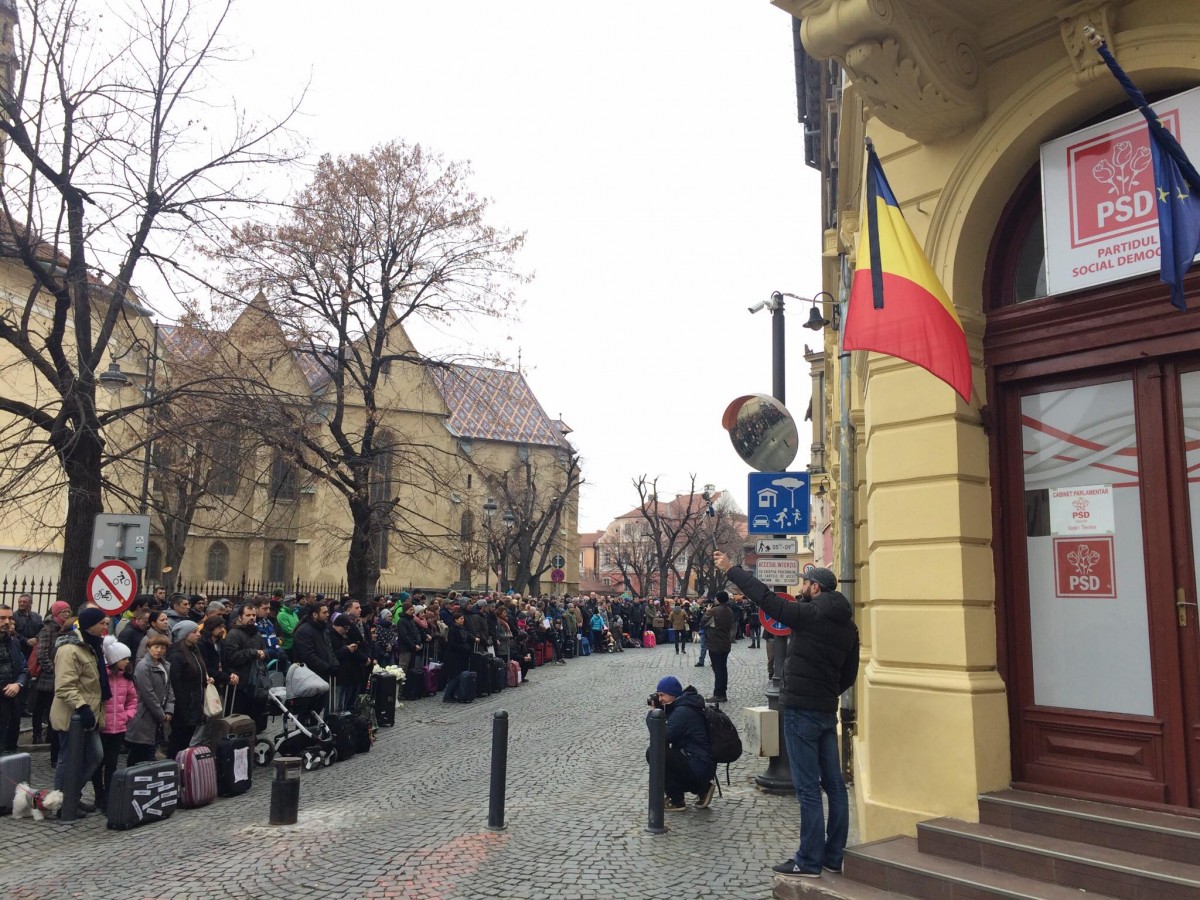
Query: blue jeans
pixel 93 754
pixel 812 748
pixel 703 647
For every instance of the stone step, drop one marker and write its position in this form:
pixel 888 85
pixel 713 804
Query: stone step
pixel 834 887
pixel 1156 834
pixel 1057 861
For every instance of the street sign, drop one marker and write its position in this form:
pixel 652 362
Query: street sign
pixel 557 575
pixel 558 561
pixel 777 545
pixel 778 503
pixel 111 586
pixel 777 571
pixel 120 536
pixel 774 625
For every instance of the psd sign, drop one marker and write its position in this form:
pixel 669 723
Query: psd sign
pixel 1099 199
pixel 1084 568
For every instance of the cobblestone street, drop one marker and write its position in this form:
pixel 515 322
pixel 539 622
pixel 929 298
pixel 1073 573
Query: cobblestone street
pixel 409 819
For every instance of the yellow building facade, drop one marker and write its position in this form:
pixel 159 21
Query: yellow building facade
pixel 982 667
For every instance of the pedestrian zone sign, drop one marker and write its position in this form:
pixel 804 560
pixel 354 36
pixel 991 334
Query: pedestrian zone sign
pixel 778 503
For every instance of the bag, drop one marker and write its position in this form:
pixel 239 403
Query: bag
pixel 649 640
pixel 239 725
pixel 212 701
pixel 468 687
pixel 233 766
pixel 514 674
pixel 383 692
pixel 722 736
pixel 585 647
pixel 15 769
pixel 481 668
pixel 363 734
pixel 147 792
pixel 261 682
pixel 33 664
pixel 499 673
pixel 197 776
pixel 430 674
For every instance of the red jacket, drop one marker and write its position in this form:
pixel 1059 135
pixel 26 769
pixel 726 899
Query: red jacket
pixel 121 705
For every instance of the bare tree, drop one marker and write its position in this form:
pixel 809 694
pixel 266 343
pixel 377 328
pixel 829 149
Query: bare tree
pixel 113 157
pixel 633 556
pixel 373 241
pixel 720 530
pixel 667 525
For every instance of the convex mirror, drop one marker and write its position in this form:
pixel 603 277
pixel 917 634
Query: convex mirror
pixel 763 432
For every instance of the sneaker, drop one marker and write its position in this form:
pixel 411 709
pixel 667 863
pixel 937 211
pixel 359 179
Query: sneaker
pixel 790 868
pixel 706 798
pixel 673 806
pixel 699 665
pixel 715 699
pixel 837 871
pixel 85 807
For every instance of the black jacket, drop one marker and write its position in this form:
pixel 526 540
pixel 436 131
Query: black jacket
pixel 188 678
pixel 457 655
pixel 408 636
pixel 687 731
pixel 718 628
pixel 311 647
pixel 240 652
pixel 822 655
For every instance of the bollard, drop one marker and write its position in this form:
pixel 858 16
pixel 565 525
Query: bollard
pixel 499 770
pixel 657 757
pixel 285 790
pixel 73 771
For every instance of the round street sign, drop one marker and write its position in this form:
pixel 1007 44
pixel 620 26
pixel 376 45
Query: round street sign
pixel 557 575
pixel 111 586
pixel 774 625
pixel 558 561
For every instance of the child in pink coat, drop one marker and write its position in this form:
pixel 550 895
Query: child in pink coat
pixel 117 712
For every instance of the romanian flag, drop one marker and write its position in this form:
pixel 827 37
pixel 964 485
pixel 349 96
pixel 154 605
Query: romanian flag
pixel 897 305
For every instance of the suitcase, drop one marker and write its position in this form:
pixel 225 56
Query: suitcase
pixel 499 673
pixel 341 726
pixel 362 734
pixel 15 769
pixel 234 764
pixel 383 691
pixel 514 673
pixel 430 674
pixel 481 666
pixel 468 687
pixel 239 726
pixel 197 777
pixel 539 653
pixel 548 653
pixel 585 647
pixel 147 792
pixel 568 650
pixel 648 639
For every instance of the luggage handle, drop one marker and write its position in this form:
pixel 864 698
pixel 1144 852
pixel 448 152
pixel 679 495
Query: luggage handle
pixel 226 699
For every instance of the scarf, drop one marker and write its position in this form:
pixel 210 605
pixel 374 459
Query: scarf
pixel 97 645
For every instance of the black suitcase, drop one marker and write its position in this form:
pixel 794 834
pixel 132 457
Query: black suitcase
pixel 361 729
pixel 341 726
pixel 499 674
pixel 14 769
pixel 468 687
pixel 147 792
pixel 383 691
pixel 234 764
pixel 481 666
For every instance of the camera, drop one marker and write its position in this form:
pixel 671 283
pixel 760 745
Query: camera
pixel 653 700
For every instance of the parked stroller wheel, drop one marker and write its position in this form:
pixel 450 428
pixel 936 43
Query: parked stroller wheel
pixel 264 752
pixel 312 760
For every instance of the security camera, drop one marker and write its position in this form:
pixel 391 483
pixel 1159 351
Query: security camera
pixel 757 306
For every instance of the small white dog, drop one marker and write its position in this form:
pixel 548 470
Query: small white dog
pixel 35 804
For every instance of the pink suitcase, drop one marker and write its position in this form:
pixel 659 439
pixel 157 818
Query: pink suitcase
pixel 198 774
pixel 514 673
pixel 648 639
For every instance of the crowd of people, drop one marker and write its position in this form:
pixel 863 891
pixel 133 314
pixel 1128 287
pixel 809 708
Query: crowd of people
pixel 138 682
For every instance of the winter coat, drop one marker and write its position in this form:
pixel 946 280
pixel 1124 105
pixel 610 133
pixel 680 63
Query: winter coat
pixel 187 685
pixel 239 653
pixel 155 700
pixel 823 650
pixel 287 620
pixel 408 636
pixel 597 623
pixel 17 666
pixel 76 680
pixel 122 705
pixel 45 654
pixel 132 638
pixel 718 628
pixel 311 648
pixel 458 651
pixel 26 627
pixel 679 619
pixel 687 732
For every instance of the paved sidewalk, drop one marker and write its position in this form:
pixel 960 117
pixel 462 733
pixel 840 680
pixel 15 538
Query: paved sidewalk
pixel 409 819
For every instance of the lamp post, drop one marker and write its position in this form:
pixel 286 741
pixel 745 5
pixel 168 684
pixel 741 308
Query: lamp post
pixel 113 379
pixel 489 507
pixel 509 520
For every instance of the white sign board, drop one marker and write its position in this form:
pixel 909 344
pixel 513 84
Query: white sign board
pixel 778 571
pixel 1098 196
pixel 777 545
pixel 1083 510
pixel 121 536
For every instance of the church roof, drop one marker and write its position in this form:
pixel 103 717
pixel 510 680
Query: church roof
pixel 495 405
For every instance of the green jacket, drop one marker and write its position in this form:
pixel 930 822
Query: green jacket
pixel 287 620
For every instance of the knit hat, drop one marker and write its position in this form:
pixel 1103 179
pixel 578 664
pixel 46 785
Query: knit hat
pixel 403 595
pixel 115 651
pixel 824 577
pixel 59 606
pixel 182 629
pixel 669 685
pixel 90 616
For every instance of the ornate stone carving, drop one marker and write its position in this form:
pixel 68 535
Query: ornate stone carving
pixel 1101 15
pixel 920 69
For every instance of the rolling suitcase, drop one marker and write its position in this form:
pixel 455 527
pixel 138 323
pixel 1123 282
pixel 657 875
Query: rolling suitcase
pixel 147 792
pixel 383 691
pixel 514 673
pixel 362 734
pixel 233 766
pixel 648 639
pixel 239 726
pixel 197 777
pixel 481 667
pixel 468 687
pixel 430 673
pixel 585 647
pixel 499 672
pixel 14 769
pixel 548 653
pixel 539 653
pixel 341 725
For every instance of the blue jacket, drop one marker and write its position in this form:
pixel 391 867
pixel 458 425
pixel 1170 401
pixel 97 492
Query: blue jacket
pixel 687 731
pixel 20 672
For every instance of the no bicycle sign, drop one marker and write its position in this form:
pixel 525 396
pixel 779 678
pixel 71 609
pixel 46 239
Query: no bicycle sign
pixel 111 586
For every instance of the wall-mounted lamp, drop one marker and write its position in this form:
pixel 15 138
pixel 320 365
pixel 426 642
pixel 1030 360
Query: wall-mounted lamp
pixel 816 321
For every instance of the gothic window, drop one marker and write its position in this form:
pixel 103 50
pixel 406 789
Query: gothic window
pixel 218 562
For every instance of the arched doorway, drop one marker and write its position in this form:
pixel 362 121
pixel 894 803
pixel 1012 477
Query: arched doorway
pixel 1095 414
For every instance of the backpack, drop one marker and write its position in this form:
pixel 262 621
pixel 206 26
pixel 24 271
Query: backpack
pixel 722 735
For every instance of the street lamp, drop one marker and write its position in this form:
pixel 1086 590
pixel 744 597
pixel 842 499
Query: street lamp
pixel 489 507
pixel 113 380
pixel 509 520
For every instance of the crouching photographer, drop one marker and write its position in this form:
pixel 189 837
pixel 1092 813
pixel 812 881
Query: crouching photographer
pixel 690 766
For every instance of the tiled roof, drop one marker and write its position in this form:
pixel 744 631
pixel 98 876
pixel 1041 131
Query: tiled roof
pixel 495 405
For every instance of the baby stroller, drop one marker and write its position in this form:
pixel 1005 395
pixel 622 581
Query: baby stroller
pixel 305 733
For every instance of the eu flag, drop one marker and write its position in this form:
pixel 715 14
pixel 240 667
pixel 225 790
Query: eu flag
pixel 1176 182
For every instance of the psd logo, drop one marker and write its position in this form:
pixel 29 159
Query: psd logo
pixel 1084 568
pixel 1110 179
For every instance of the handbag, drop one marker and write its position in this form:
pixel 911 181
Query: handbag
pixel 33 664
pixel 261 682
pixel 212 702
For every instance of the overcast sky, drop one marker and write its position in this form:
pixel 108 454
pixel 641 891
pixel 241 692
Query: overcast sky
pixel 650 150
